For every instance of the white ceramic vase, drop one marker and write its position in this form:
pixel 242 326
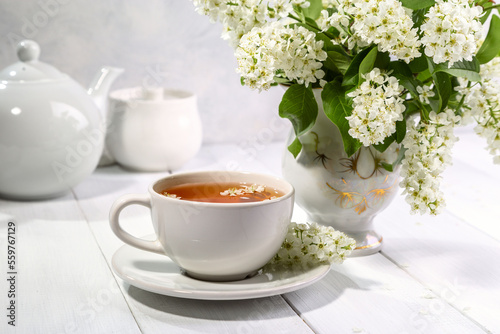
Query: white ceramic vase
pixel 340 191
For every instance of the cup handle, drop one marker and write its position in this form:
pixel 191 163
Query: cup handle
pixel 114 222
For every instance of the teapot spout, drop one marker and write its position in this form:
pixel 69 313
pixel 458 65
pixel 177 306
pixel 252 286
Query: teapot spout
pixel 99 88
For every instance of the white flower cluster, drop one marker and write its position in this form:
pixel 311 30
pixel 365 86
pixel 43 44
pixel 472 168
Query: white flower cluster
pixel 376 108
pixel 273 49
pixel 491 70
pixel 239 16
pixel 308 245
pixel 243 190
pixel 483 100
pixel 428 152
pixel 424 93
pixel 383 22
pixel 451 31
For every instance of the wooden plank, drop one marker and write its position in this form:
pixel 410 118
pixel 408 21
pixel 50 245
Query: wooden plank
pixel 64 285
pixel 157 313
pixel 472 184
pixel 370 295
pixel 473 197
pixel 471 149
pixel 456 254
pixel 374 295
pixel 453 259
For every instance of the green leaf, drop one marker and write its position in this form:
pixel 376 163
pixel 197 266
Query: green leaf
pixel 423 76
pixel 304 25
pixel 443 85
pixel 403 73
pixel 484 18
pixel 419 64
pixel 418 17
pixel 383 60
pixel 491 45
pixel 417 4
pixel 295 147
pixel 351 76
pixel 398 136
pixel 312 24
pixel 400 131
pixel 400 157
pixel 435 103
pixel 368 62
pixel 387 167
pixel 387 142
pixel 412 107
pixel 392 167
pixel 300 13
pixel 337 109
pixel 314 10
pixel 329 63
pixel 330 34
pixel 464 68
pixel 339 49
pixel 337 62
pixel 281 80
pixel 455 96
pixel 327 42
pixel 300 107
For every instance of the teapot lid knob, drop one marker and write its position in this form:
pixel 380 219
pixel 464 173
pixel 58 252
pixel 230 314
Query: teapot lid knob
pixel 28 50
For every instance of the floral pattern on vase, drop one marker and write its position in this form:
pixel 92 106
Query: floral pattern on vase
pixel 340 191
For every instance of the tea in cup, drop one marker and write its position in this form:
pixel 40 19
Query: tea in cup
pixel 216 225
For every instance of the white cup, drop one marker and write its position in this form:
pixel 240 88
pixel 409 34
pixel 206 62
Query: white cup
pixel 212 241
pixel 153 129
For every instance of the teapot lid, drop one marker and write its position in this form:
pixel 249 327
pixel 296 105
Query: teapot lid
pixel 29 68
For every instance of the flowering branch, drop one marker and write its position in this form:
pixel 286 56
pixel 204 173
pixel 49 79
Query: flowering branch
pixel 309 245
pixel 380 63
pixel 491 7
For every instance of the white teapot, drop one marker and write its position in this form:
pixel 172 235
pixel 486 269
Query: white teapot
pixel 52 130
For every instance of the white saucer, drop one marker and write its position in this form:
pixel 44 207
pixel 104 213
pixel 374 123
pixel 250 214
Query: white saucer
pixel 157 273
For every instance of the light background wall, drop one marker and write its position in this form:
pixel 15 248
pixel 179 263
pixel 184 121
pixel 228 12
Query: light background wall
pixel 162 42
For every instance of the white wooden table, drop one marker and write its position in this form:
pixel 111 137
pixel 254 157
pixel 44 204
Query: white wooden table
pixel 434 275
